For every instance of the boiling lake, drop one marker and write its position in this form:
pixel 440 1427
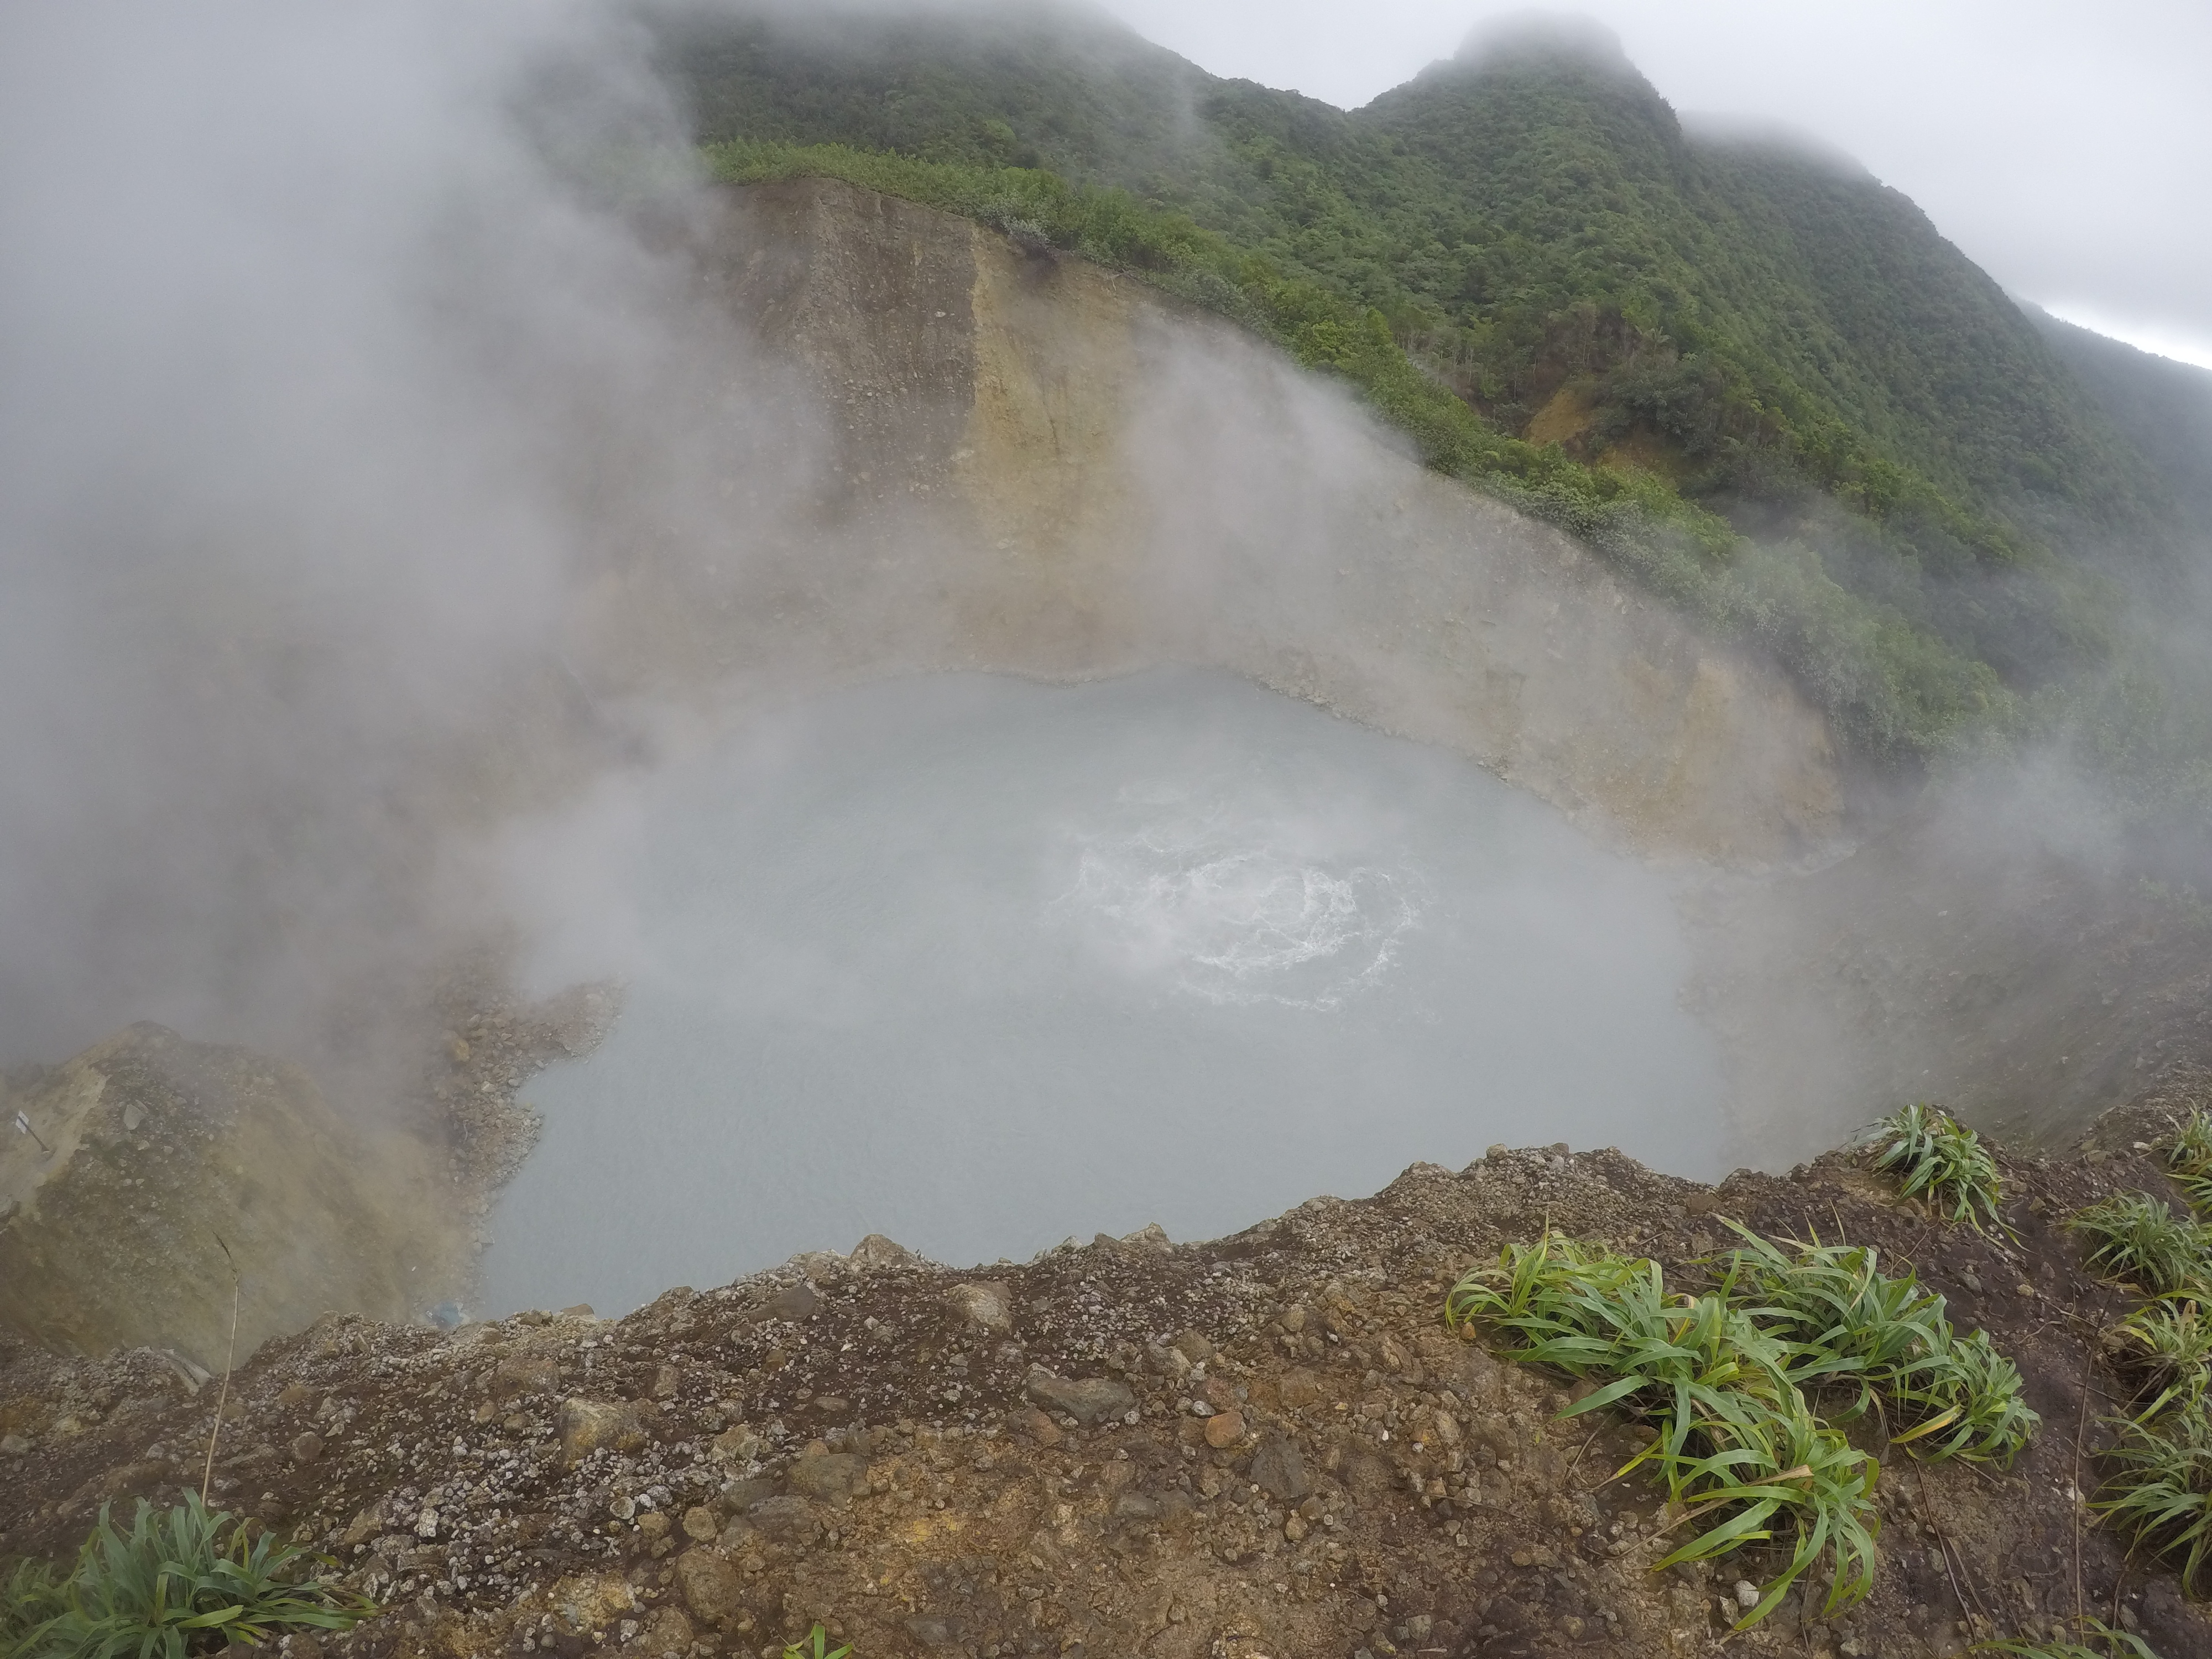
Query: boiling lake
pixel 981 963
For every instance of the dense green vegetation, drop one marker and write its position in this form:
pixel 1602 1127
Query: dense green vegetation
pixel 1754 377
pixel 2163 408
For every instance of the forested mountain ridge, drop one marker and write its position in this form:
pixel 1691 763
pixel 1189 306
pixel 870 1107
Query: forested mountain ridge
pixel 1661 338
pixel 2163 407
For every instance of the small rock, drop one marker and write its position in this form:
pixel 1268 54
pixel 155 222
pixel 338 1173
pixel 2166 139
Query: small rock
pixel 586 1425
pixel 740 1495
pixel 1193 1347
pixel 1087 1399
pixel 1524 1557
pixel 982 1302
pixel 307 1447
pixel 667 1382
pixel 1294 1318
pixel 1031 1421
pixel 1295 1530
pixel 456 1047
pixel 1149 1237
pixel 778 1516
pixel 1225 1429
pixel 294 1396
pixel 798 1302
pixel 1497 1149
pixel 13 1445
pixel 669 1633
pixel 875 1253
pixel 699 1524
pixel 426 1524
pixel 835 1476
pixel 655 1525
pixel 534 1374
pixel 1746 1594
pixel 711 1585
pixel 1970 1279
pixel 1136 1506
pixel 1278 1470
pixel 739 1443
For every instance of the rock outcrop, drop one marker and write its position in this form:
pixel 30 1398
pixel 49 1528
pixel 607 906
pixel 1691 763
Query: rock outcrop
pixel 167 1164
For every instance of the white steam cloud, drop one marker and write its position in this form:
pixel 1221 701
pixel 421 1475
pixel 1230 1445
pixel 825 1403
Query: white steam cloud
pixel 323 379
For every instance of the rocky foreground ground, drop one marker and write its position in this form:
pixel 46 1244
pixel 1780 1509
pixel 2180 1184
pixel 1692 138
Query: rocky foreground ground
pixel 1267 1445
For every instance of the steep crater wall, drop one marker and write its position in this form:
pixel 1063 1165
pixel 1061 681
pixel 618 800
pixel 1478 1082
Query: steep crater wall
pixel 1031 464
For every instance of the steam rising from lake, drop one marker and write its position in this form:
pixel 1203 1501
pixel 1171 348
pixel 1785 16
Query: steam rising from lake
pixel 976 962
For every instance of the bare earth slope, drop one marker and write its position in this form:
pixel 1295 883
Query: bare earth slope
pixel 1265 1446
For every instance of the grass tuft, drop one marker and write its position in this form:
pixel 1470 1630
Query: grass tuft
pixel 1850 1327
pixel 170 1587
pixel 2160 1492
pixel 1735 1442
pixel 29 1597
pixel 2138 1238
pixel 816 1645
pixel 2164 1352
pixel 1942 1160
pixel 2190 1158
pixel 2113 1645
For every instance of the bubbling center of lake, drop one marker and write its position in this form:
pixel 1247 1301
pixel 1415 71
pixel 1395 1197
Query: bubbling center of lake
pixel 980 963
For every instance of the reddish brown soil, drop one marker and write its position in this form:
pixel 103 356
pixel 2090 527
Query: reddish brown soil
pixel 850 1440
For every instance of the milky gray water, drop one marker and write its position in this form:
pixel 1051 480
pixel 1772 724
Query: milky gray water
pixel 980 963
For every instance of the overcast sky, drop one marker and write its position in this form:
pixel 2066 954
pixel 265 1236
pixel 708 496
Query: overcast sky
pixel 2067 148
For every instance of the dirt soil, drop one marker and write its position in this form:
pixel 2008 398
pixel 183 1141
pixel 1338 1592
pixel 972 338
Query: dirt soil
pixel 1267 1445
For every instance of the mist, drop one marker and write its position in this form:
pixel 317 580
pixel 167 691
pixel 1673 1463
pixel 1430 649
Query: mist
pixel 409 465
pixel 326 371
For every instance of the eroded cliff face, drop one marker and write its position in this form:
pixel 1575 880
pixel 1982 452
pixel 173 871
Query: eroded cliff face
pixel 1029 464
pixel 166 1166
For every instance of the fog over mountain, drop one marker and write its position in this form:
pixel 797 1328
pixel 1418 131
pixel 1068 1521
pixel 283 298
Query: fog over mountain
pixel 2061 145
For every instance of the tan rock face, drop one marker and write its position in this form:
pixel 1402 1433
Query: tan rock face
pixel 587 1426
pixel 171 1162
pixel 1037 466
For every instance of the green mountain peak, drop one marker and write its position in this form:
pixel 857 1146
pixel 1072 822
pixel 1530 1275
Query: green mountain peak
pixel 1560 38
pixel 1743 366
